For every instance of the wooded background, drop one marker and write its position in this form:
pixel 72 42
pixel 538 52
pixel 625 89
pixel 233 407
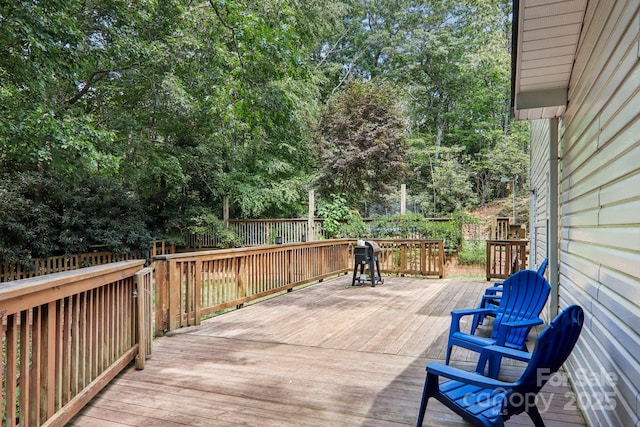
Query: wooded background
pixel 120 121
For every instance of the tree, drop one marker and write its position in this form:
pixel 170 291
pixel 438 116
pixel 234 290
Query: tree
pixel 180 103
pixel 441 176
pixel 361 143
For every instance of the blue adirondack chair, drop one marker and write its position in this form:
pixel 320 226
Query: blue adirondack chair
pixel 492 295
pixel 524 295
pixel 485 401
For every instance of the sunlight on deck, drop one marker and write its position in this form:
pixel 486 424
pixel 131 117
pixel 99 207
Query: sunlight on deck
pixel 326 355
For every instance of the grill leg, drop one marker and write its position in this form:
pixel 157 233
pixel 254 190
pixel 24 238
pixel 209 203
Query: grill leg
pixel 372 272
pixel 378 269
pixel 355 272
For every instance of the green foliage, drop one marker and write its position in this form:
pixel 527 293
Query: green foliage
pixel 170 106
pixel 42 216
pixel 208 223
pixel 509 158
pixel 412 224
pixel 361 143
pixel 441 177
pixel 339 220
pixel 473 252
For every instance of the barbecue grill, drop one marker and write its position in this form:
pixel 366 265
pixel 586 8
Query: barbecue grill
pixel 366 254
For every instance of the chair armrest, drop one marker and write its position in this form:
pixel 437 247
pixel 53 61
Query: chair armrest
pixel 467 377
pixel 491 298
pixel 509 353
pixel 456 315
pixel 470 311
pixel 508 326
pixel 490 301
pixel 523 323
pixel 497 351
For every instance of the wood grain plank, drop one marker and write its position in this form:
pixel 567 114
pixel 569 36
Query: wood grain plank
pixel 325 355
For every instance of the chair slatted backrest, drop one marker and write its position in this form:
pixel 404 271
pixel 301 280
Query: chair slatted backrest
pixel 523 297
pixel 543 266
pixel 553 347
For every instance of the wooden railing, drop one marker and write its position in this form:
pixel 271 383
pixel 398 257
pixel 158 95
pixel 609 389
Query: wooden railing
pixel 500 228
pixel 66 335
pixel 420 257
pixel 505 257
pixel 196 284
pixel 255 232
pixel 161 247
pixel 56 264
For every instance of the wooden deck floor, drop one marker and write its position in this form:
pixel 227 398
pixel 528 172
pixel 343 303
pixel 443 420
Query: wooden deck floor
pixel 326 355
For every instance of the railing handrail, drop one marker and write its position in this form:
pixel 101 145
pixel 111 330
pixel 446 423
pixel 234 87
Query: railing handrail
pixel 22 294
pixel 302 220
pixel 224 253
pixel 12 271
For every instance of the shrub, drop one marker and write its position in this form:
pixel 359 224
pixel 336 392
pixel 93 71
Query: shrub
pixel 340 221
pixel 42 215
pixel 473 252
pixel 208 223
pixel 410 224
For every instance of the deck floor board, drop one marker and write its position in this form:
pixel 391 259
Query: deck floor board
pixel 325 355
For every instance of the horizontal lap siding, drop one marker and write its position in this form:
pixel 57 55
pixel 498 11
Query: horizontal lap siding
pixel 600 212
pixel 539 179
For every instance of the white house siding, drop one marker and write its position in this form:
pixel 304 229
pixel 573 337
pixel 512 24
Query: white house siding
pixel 539 188
pixel 599 208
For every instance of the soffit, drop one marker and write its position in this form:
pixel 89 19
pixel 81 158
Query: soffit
pixel 546 36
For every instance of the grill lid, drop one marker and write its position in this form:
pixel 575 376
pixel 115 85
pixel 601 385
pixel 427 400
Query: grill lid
pixel 375 248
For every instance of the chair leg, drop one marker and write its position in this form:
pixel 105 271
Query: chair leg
pixel 423 409
pixel 477 320
pixel 448 356
pixel 430 386
pixel 534 414
pixel 494 366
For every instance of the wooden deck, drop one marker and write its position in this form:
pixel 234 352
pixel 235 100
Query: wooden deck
pixel 326 355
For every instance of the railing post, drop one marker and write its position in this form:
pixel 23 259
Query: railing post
pixel 489 258
pixel 197 296
pixel 174 313
pixel 162 296
pixel 441 258
pixel 239 279
pixel 142 281
pixel 311 220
